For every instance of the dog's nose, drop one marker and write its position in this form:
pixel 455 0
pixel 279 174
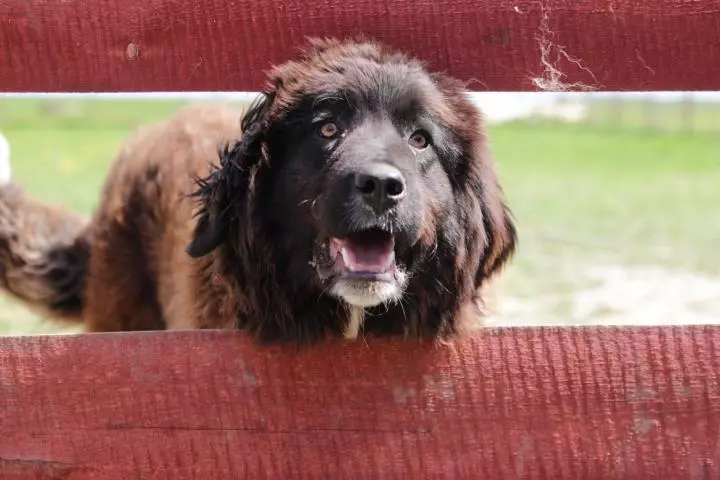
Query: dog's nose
pixel 381 185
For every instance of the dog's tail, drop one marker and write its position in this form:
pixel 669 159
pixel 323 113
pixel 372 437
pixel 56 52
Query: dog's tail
pixel 44 252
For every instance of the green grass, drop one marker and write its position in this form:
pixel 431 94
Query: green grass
pixel 664 117
pixel 81 113
pixel 582 195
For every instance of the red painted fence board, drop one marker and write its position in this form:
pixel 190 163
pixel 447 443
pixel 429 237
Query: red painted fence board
pixel 534 403
pixel 150 45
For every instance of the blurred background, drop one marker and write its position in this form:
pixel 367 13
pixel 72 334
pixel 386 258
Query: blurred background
pixel 616 196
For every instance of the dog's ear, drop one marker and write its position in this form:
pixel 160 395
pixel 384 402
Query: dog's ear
pixel 491 219
pixel 210 232
pixel 499 230
pixel 223 192
pixel 501 238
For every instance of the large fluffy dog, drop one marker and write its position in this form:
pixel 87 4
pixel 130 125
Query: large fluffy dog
pixel 356 195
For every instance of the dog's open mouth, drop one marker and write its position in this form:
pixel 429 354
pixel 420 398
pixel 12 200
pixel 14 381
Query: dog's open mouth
pixel 367 255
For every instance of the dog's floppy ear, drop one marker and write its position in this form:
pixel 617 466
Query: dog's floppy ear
pixel 498 224
pixel 501 237
pixel 222 193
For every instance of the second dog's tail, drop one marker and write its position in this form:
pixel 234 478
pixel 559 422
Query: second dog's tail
pixel 44 253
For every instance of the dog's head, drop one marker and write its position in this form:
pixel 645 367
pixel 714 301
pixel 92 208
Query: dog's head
pixel 362 177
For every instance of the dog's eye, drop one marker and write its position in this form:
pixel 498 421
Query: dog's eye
pixel 328 130
pixel 419 140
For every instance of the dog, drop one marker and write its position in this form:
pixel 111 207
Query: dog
pixel 356 196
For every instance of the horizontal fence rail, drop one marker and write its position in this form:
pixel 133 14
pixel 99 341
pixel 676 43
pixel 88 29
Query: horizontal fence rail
pixel 159 45
pixel 533 403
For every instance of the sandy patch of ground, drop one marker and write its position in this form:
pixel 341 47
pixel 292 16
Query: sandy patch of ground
pixel 622 295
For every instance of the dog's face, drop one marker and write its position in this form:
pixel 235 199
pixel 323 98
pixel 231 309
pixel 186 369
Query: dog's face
pixel 364 176
pixel 367 166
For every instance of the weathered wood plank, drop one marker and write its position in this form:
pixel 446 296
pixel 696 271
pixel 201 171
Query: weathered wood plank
pixel 131 45
pixel 631 403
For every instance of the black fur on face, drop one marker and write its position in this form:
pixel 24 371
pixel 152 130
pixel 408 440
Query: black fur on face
pixel 361 186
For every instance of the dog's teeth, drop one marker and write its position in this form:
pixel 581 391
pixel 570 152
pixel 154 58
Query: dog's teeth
pixel 345 256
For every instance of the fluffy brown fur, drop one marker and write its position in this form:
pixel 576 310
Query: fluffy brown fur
pixel 176 243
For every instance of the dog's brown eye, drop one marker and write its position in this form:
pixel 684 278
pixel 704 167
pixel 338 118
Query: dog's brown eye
pixel 329 130
pixel 419 140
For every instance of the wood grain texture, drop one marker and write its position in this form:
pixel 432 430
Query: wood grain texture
pixel 534 403
pixel 174 45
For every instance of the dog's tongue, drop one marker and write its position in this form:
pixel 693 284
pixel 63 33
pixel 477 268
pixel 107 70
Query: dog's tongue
pixel 370 252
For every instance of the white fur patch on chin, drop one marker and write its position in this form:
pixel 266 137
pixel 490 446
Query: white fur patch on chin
pixel 356 318
pixel 369 294
pixel 360 295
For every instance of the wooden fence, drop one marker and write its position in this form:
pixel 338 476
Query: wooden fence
pixel 553 403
